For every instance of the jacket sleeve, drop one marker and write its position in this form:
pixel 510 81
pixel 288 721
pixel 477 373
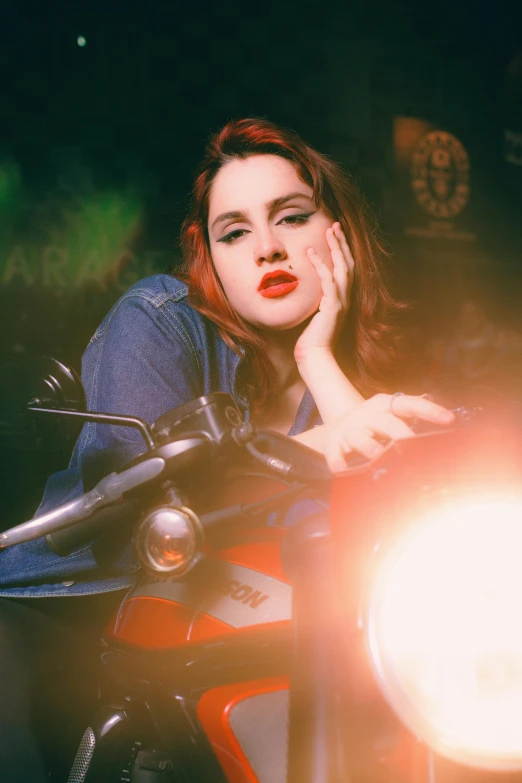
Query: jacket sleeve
pixel 141 362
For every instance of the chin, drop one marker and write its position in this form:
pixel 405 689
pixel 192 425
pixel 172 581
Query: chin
pixel 284 324
pixel 284 317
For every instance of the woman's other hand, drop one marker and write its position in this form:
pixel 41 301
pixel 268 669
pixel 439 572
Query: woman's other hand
pixel 384 417
pixel 336 281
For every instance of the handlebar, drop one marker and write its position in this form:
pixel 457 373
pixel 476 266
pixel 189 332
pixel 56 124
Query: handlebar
pixel 281 455
pixel 63 542
pixel 108 491
pixel 80 520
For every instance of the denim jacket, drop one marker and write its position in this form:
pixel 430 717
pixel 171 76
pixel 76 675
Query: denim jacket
pixel 151 353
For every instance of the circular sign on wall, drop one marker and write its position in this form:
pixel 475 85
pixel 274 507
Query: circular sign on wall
pixel 440 174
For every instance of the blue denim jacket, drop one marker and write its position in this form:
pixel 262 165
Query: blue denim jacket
pixel 151 353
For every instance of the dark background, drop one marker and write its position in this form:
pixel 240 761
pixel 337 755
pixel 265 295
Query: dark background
pixel 98 144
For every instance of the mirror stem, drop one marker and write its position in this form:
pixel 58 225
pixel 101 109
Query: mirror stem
pixel 100 418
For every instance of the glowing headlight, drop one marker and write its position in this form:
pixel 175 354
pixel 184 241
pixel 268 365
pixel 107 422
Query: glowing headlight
pixel 168 540
pixel 444 628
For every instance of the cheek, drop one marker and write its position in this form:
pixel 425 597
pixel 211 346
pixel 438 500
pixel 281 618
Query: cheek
pixel 223 272
pixel 317 293
pixel 310 291
pixel 317 240
pixel 229 287
pixel 325 252
pixel 231 283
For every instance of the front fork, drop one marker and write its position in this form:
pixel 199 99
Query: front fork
pixel 315 747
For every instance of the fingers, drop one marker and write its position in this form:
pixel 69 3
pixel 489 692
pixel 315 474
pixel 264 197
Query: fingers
pixel 391 427
pixel 340 267
pixel 361 428
pixel 339 448
pixel 347 253
pixel 344 264
pixel 325 276
pixel 350 437
pixel 409 406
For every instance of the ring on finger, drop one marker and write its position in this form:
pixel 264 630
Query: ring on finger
pixel 393 398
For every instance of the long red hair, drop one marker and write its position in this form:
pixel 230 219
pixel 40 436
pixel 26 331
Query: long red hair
pixel 369 346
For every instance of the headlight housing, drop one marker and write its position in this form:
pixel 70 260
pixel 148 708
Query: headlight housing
pixel 444 630
pixel 168 541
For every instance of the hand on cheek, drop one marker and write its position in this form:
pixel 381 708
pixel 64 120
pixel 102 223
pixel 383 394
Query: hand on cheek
pixel 339 267
pixel 315 349
pixel 336 279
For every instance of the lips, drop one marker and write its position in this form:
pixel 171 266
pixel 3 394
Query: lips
pixel 277 283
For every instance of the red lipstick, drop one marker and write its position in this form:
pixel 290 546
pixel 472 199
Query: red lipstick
pixel 277 283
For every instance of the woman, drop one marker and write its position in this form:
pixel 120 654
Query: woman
pixel 281 303
pixel 266 203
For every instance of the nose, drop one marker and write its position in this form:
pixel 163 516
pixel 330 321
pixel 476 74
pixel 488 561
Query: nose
pixel 269 248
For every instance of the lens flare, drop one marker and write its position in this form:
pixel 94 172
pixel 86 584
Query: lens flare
pixel 444 629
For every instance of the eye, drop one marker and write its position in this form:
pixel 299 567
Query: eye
pixel 296 220
pixel 232 236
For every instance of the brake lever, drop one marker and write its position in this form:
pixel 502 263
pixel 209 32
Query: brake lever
pixel 108 491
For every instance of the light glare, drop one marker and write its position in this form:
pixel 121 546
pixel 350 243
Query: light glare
pixel 445 632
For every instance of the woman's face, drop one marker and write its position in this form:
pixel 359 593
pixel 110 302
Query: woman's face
pixel 262 220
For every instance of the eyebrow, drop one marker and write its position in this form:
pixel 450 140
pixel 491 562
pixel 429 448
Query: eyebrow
pixel 276 203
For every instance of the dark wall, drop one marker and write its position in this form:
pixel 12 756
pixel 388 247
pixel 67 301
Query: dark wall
pixel 98 142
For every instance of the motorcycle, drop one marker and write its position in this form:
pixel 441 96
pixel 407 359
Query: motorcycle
pixel 375 640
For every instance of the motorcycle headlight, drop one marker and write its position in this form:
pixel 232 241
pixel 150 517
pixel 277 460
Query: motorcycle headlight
pixel 168 540
pixel 444 629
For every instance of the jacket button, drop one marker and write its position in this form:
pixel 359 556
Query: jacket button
pixel 68 584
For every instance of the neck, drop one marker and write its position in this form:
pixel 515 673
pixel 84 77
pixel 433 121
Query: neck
pixel 280 349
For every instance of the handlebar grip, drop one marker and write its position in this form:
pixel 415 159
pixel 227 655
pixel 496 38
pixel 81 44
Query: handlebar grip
pixel 63 542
